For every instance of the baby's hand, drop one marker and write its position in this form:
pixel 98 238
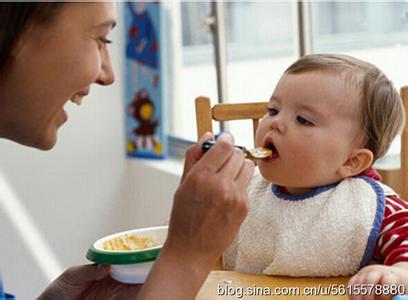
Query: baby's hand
pixel 389 279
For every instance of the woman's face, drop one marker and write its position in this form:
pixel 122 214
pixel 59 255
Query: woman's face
pixel 51 64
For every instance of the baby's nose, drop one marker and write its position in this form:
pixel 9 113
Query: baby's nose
pixel 278 125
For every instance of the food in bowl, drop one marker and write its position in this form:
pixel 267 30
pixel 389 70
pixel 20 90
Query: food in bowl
pixel 129 242
pixel 129 265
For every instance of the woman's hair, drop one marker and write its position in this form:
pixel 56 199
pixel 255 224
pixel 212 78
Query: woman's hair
pixel 15 17
pixel 381 111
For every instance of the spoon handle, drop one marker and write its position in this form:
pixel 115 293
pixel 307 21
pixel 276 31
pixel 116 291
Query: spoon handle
pixel 208 144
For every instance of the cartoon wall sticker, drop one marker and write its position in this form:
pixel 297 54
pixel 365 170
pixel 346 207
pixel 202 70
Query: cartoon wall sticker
pixel 144 82
pixel 142 110
pixel 142 44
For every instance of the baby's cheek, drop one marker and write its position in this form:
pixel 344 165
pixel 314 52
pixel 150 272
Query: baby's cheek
pixel 260 135
pixel 264 171
pixel 258 142
pixel 324 172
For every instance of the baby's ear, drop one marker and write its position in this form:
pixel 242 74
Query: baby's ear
pixel 358 161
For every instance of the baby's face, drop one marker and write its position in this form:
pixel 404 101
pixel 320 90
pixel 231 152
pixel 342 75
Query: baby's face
pixel 312 126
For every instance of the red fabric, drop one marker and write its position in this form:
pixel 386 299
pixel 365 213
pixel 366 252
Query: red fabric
pixel 392 243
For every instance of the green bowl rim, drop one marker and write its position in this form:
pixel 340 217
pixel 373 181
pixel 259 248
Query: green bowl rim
pixel 125 257
pixel 121 258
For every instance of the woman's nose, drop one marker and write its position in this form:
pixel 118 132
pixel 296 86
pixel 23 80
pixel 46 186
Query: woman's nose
pixel 106 74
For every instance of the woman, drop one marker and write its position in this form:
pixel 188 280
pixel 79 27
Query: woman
pixel 211 195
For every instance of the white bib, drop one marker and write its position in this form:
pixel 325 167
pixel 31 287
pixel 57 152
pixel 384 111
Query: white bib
pixel 331 231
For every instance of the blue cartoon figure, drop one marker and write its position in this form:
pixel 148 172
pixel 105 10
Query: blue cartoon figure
pixel 142 43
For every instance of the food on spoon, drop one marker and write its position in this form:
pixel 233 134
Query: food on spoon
pixel 260 152
pixel 257 153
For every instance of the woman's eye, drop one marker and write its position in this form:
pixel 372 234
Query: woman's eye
pixel 104 41
pixel 304 121
pixel 273 111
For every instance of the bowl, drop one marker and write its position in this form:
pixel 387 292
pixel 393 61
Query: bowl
pixel 129 266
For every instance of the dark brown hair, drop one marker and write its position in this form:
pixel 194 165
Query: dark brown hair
pixel 381 111
pixel 15 17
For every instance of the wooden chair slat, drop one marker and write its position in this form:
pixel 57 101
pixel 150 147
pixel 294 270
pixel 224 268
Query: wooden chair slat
pixel 239 111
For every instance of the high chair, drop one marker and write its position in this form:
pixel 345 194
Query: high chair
pixel 396 178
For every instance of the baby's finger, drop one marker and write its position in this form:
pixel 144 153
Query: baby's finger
pixel 373 277
pixel 354 281
pixel 389 279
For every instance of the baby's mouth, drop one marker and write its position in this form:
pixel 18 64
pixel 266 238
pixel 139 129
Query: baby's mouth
pixel 269 145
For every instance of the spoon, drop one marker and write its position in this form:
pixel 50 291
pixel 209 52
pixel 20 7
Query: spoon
pixel 257 153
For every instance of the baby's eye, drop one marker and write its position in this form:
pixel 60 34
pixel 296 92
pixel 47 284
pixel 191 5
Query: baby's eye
pixel 273 111
pixel 303 121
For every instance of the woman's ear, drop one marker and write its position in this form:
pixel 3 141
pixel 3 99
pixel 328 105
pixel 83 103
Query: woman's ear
pixel 357 162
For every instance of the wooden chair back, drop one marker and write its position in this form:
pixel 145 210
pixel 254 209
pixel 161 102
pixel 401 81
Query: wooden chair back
pixel 205 114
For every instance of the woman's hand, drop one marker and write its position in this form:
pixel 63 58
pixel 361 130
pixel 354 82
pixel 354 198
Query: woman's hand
pixel 88 282
pixel 209 207
pixel 211 201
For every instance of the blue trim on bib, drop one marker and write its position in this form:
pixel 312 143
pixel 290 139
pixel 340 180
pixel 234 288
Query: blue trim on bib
pixel 281 195
pixel 379 216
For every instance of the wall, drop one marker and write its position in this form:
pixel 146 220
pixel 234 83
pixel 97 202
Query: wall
pixel 54 204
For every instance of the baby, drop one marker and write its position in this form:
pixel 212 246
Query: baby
pixel 317 207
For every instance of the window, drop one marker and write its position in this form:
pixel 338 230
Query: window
pixel 260 46
pixel 195 73
pixel 261 41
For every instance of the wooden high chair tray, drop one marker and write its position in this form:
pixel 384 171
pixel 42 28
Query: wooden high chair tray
pixel 262 287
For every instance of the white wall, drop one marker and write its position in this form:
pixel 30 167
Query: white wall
pixel 81 190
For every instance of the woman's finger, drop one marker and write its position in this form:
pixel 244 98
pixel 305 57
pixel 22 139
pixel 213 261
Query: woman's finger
pixel 79 275
pixel 245 174
pixel 217 156
pixel 194 153
pixel 233 165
